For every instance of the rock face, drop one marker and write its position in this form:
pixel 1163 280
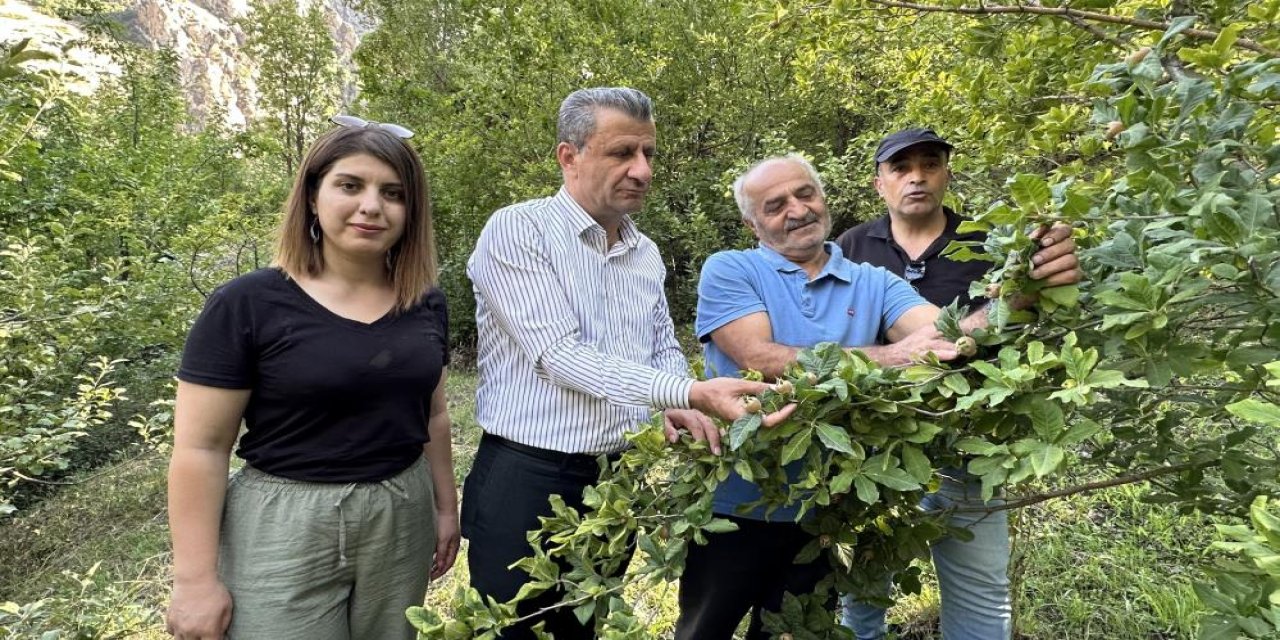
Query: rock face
pixel 217 76
pixel 19 21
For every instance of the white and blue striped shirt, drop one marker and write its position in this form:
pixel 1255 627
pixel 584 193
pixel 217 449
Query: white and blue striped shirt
pixel 576 345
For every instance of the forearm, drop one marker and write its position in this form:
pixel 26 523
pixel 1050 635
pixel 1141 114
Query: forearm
pixel 585 369
pixel 889 355
pixel 769 358
pixel 439 453
pixel 197 491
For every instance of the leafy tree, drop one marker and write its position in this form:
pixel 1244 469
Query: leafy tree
pixel 298 75
pixel 107 239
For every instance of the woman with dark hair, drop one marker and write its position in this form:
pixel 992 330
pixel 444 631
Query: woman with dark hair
pixel 335 360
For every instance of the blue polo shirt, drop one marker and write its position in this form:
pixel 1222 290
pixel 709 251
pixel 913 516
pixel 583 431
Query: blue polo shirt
pixel 849 303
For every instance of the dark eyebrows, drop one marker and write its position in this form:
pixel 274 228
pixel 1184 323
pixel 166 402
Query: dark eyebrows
pixel 355 178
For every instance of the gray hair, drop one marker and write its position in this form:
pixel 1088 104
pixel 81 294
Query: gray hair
pixel 577 119
pixel 739 185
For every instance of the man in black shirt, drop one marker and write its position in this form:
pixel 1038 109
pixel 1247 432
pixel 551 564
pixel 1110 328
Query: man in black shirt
pixel 912 175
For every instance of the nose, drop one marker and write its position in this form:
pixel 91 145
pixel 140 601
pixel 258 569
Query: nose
pixel 915 174
pixel 371 202
pixel 641 169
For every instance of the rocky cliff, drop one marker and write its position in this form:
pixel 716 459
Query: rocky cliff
pixel 216 75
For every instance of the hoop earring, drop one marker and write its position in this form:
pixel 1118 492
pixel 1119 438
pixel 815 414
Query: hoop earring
pixel 314 230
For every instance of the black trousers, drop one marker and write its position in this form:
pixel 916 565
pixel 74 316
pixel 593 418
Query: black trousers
pixel 745 570
pixel 505 492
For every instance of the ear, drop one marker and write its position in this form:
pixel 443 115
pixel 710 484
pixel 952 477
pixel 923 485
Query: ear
pixel 751 224
pixel 566 155
pixel 875 182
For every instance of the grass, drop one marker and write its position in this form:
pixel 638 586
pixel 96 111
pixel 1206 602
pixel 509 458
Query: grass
pixel 1103 565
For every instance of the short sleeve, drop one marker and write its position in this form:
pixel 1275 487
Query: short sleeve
pixel 725 293
pixel 899 298
pixel 439 308
pixel 220 347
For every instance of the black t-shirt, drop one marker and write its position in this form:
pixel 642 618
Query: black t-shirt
pixel 943 281
pixel 333 399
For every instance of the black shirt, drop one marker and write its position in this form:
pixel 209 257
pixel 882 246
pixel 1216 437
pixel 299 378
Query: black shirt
pixel 941 280
pixel 333 399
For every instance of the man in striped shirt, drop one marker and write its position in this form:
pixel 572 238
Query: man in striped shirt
pixel 576 345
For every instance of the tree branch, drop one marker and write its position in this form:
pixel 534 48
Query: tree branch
pixel 1141 476
pixel 1073 15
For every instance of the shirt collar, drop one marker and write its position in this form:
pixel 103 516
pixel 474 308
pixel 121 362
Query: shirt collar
pixel 836 267
pixel 581 222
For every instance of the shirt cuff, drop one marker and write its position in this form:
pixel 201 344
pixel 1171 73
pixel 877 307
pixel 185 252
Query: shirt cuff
pixel 670 392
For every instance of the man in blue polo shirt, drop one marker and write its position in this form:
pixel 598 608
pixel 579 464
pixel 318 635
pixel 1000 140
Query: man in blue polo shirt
pixel 756 310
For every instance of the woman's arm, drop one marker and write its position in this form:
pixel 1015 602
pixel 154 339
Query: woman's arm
pixel 439 452
pixel 206 421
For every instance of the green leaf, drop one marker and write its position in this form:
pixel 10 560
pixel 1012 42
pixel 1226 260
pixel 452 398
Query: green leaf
pixel 834 437
pixel 1046 419
pixel 916 464
pixel 742 428
pixel 1030 192
pixel 720 525
pixel 957 383
pixel 978 446
pixel 866 489
pixel 1107 378
pixel 797 445
pixel 1255 410
pixel 894 478
pixel 1079 432
pixel 1046 458
pixel 1213 599
pixel 1066 296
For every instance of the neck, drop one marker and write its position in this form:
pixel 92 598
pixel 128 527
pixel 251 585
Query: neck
pixel 812 263
pixel 917 233
pixel 611 222
pixel 354 272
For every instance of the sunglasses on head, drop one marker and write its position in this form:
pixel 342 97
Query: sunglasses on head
pixel 360 123
pixel 914 271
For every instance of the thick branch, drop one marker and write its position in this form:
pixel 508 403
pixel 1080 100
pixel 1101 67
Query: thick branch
pixel 1070 14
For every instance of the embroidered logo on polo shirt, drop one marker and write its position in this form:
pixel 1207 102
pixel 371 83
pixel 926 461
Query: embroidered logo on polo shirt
pixel 849 311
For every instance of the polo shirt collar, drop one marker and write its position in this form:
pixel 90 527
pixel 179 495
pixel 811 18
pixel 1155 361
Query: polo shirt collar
pixel 581 222
pixel 836 266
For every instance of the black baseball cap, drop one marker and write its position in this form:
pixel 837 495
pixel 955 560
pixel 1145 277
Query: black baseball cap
pixel 899 140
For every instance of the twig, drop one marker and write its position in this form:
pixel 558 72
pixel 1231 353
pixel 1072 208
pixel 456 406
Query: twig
pixel 1069 13
pixel 1084 488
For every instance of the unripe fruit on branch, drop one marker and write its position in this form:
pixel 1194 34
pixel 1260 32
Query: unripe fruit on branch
pixel 751 404
pixel 786 636
pixel 811 378
pixel 824 541
pixel 1138 56
pixel 966 346
pixel 785 388
pixel 1114 128
pixel 993 290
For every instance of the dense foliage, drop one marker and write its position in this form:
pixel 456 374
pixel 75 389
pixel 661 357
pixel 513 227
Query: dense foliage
pixel 117 213
pixel 1164 156
pixel 113 221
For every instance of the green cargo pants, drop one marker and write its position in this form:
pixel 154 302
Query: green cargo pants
pixel 325 561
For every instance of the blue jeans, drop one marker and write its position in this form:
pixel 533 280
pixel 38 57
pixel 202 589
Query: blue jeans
pixel 973 577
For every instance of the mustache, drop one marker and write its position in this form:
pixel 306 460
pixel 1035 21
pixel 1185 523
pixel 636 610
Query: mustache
pixel 793 224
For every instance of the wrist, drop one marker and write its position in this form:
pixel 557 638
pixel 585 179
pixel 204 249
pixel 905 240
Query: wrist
pixel 195 578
